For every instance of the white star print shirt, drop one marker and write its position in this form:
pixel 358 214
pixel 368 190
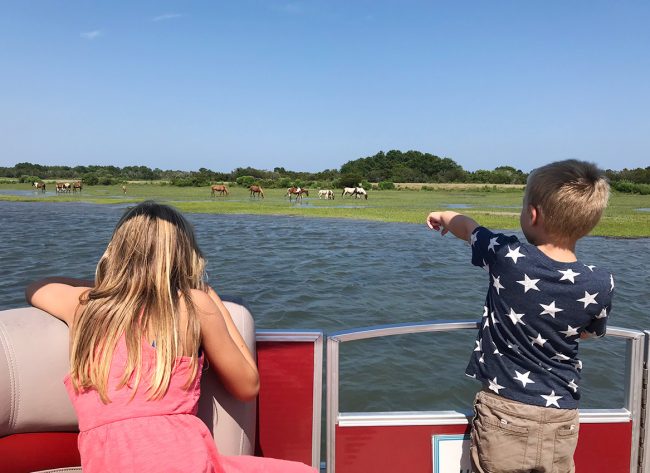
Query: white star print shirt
pixel 535 310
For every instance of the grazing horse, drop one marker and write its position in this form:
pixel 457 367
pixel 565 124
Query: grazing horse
pixel 360 191
pixel 63 187
pixel 220 188
pixel 298 192
pixel 349 191
pixel 357 192
pixel 76 186
pixel 59 187
pixel 256 191
pixel 326 193
pixel 39 185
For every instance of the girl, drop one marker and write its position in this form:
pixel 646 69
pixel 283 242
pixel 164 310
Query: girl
pixel 138 337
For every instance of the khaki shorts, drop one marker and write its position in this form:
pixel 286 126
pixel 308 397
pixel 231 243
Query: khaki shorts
pixel 512 437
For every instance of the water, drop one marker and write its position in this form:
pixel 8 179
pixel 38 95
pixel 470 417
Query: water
pixel 339 274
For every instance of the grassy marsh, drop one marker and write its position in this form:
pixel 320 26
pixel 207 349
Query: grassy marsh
pixel 496 207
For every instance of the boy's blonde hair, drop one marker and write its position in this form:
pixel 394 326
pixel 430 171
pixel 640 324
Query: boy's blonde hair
pixel 151 263
pixel 571 196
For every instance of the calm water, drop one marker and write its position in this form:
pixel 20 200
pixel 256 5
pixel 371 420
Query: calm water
pixel 339 274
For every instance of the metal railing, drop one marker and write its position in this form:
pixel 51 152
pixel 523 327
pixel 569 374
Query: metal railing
pixel 631 411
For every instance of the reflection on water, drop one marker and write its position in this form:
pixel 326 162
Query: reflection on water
pixel 30 193
pixel 333 275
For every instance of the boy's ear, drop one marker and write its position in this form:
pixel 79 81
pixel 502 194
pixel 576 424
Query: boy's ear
pixel 534 214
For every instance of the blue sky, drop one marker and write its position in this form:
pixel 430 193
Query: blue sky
pixel 310 85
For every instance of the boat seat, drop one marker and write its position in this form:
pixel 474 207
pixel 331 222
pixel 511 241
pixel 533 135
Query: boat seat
pixel 34 360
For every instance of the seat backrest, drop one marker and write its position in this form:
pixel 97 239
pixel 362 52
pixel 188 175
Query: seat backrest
pixel 34 360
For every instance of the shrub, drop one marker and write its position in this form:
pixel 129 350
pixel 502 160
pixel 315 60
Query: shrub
pixel 31 179
pixel 246 181
pixel 195 180
pixel 91 179
pixel 386 185
pixel 349 180
pixel 631 187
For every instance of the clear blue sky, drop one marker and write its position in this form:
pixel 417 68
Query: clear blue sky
pixel 309 85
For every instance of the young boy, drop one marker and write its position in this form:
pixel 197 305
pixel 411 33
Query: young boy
pixel 541 300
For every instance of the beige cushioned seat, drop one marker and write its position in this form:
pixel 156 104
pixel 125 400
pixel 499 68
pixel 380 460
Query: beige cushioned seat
pixel 34 361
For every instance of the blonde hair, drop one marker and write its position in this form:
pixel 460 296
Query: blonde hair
pixel 571 196
pixel 151 263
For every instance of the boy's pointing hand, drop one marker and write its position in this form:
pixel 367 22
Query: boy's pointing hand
pixel 435 222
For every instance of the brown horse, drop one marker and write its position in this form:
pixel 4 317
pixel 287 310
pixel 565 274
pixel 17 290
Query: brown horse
pixel 220 188
pixel 76 186
pixel 256 191
pixel 298 192
pixel 40 186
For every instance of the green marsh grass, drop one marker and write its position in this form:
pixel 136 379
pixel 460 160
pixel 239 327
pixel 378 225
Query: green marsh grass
pixel 496 208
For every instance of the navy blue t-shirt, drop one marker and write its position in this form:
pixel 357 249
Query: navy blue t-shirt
pixel 535 310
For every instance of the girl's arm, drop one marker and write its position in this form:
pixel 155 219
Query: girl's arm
pixel 459 225
pixel 225 348
pixel 232 328
pixel 59 296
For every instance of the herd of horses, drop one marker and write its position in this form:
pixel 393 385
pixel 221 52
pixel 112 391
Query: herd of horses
pixel 221 190
pixel 356 192
pixel 292 192
pixel 60 187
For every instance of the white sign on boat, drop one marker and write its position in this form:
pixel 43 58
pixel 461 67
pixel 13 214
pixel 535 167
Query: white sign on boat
pixel 451 454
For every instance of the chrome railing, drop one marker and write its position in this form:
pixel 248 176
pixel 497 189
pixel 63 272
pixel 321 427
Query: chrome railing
pixel 631 410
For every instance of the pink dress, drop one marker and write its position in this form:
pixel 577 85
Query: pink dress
pixel 155 436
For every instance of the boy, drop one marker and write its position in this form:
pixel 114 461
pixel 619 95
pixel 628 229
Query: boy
pixel 541 300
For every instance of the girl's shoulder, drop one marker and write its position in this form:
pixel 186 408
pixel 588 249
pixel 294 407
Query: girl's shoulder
pixel 203 304
pixel 201 299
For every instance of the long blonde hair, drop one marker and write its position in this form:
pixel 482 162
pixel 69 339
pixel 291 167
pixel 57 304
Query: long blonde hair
pixel 151 263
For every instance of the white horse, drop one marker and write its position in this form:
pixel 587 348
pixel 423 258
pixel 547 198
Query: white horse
pixel 326 193
pixel 360 191
pixel 357 192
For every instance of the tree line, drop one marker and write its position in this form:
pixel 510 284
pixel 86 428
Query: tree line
pixel 383 169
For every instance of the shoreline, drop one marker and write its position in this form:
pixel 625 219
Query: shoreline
pixel 635 225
